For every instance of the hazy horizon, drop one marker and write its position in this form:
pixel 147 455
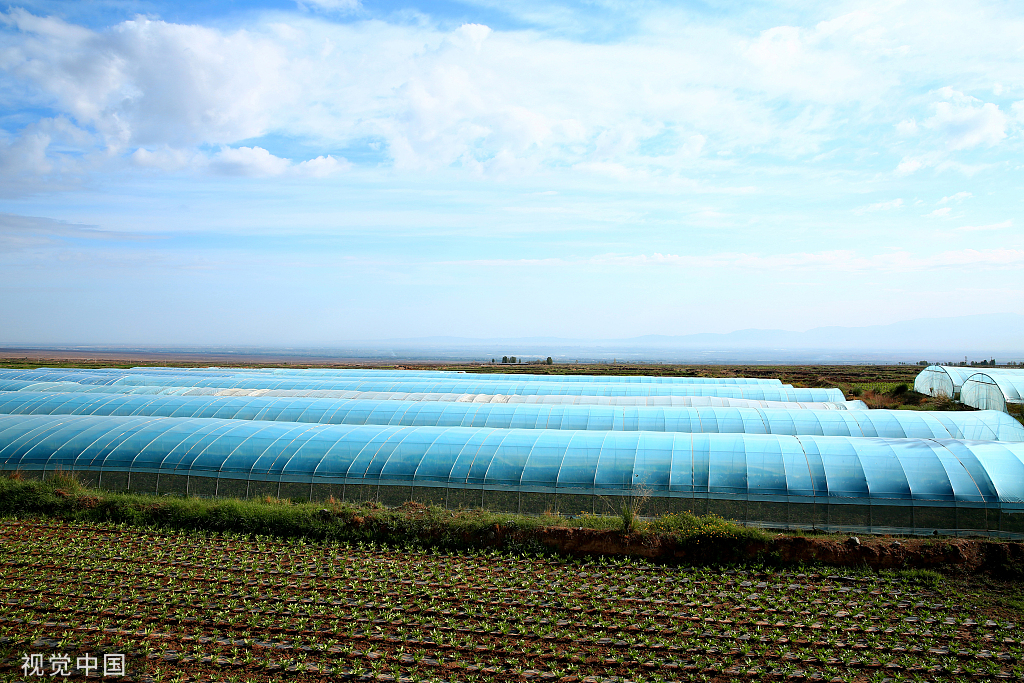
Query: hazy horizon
pixel 973 338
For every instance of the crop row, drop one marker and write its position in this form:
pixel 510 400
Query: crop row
pixel 187 605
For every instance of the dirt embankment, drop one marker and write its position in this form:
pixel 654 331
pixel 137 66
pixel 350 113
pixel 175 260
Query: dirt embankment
pixel 956 554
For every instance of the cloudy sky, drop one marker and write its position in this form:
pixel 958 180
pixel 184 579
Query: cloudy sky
pixel 288 173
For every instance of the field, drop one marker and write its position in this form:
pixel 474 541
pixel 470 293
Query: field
pixel 186 606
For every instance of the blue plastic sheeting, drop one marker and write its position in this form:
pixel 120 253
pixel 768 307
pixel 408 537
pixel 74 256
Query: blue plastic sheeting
pixel 419 375
pixel 96 377
pixel 760 393
pixel 738 466
pixel 756 392
pixel 983 425
pixel 679 401
pixel 994 390
pixel 109 374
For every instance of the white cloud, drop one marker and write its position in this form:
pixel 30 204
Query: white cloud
pixel 908 166
pixel 991 226
pixel 955 198
pixel 473 35
pixel 1018 111
pixel 880 206
pixel 940 213
pixel 330 5
pixel 258 162
pixel 151 82
pixel 907 127
pixel 44 152
pixel 248 161
pixel 838 261
pixel 490 102
pixel 166 158
pixel 322 166
pixel 965 121
pixel 512 102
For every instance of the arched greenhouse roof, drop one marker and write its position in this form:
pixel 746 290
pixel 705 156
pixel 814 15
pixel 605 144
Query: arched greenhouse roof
pixel 993 390
pixel 734 466
pixel 948 379
pixel 357 375
pixel 756 392
pixel 681 401
pixel 984 425
pixel 944 380
pixel 420 375
pixel 498 376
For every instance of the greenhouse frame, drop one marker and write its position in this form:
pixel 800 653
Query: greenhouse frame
pixel 61 374
pixel 577 399
pixel 828 482
pixel 994 390
pixel 942 380
pixel 475 385
pixel 403 375
pixel 984 425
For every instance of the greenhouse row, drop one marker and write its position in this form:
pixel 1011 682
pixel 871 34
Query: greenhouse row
pixel 580 399
pixel 477 385
pixel 509 443
pixel 358 373
pixel 823 481
pixel 989 389
pixel 985 425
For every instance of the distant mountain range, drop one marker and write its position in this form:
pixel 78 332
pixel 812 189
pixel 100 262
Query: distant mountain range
pixel 976 337
pixel 972 333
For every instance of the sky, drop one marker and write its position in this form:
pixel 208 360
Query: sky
pixel 290 173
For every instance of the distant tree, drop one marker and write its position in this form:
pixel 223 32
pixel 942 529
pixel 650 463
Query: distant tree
pixel 549 361
pixel 504 359
pixel 922 362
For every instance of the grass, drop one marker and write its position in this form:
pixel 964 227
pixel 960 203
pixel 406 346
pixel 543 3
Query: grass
pixel 679 537
pixel 879 387
pixel 62 496
pixel 924 577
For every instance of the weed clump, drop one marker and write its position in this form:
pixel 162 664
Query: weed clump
pixel 925 577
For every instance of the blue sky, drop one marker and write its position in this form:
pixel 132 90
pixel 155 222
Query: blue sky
pixel 292 173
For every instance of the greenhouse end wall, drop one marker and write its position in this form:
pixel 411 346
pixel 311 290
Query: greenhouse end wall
pixel 827 513
pixel 993 390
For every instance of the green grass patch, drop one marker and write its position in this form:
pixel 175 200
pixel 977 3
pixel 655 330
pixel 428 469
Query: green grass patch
pixel 877 387
pixel 62 496
pixel 924 577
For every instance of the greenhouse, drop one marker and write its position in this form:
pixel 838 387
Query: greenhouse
pixel 55 374
pixel 946 380
pixel 760 392
pixel 499 376
pixel 1003 390
pixel 829 482
pixel 579 399
pixel 984 425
